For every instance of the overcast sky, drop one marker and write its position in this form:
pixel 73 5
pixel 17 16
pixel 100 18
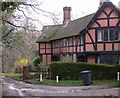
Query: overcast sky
pixel 80 8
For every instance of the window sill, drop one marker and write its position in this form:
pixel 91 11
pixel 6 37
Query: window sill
pixel 108 41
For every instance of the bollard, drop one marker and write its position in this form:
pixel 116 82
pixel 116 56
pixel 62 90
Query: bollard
pixel 118 78
pixel 56 78
pixel 40 78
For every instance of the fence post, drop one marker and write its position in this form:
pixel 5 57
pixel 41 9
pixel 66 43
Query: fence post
pixel 118 77
pixel 56 78
pixel 40 77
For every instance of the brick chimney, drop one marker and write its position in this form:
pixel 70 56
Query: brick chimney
pixel 66 15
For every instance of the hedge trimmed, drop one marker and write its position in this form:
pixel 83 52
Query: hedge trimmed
pixel 72 71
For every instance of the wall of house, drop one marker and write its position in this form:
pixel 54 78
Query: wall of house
pixel 107 18
pixel 91 37
pixel 103 23
pixel 45 52
pixel 91 59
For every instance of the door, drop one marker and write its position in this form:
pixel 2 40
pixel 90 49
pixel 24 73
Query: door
pixel 82 58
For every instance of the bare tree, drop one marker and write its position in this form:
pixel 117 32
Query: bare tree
pixel 19 31
pixel 15 13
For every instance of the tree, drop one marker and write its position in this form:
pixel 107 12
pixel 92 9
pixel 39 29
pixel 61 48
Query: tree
pixel 14 12
pixel 7 11
pixel 19 36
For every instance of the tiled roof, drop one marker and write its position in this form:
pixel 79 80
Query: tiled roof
pixel 61 31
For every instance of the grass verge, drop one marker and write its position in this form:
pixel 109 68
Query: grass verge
pixel 17 76
pixel 62 82
pixel 72 82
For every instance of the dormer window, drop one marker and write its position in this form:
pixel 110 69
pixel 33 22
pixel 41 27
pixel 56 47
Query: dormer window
pixel 109 34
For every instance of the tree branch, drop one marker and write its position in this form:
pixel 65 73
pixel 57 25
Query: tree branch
pixel 18 26
pixel 26 4
pixel 25 14
pixel 53 17
pixel 7 33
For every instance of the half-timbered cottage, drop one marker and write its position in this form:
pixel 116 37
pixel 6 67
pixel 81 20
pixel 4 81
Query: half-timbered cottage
pixel 94 38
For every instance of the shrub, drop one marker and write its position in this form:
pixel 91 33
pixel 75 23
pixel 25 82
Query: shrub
pixel 73 70
pixel 36 61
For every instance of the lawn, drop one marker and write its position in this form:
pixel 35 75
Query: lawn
pixel 14 76
pixel 72 82
pixel 54 83
pixel 62 82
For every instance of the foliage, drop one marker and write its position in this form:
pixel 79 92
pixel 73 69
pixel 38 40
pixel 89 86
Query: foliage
pixel 21 62
pixel 36 61
pixel 73 70
pixel 9 6
pixel 7 11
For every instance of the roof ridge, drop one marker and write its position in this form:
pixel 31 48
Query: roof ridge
pixel 53 25
pixel 83 17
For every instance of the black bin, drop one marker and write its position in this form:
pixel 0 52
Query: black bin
pixel 86 75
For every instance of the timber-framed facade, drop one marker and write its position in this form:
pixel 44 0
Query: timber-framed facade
pixel 94 38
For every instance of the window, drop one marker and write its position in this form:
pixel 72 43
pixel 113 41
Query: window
pixel 109 59
pixel 55 43
pixel 70 41
pixel 67 57
pixel 64 57
pixel 64 42
pixel 70 57
pixel 99 35
pixel 114 34
pixel 82 39
pixel 108 34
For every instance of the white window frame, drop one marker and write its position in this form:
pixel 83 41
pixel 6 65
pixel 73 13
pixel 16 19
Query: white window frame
pixel 99 35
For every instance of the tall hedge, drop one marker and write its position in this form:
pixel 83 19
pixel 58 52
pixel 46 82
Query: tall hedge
pixel 73 70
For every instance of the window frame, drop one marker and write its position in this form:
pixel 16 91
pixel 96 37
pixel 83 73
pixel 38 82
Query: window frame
pixel 108 59
pixel 82 39
pixel 71 57
pixel 70 41
pixel 64 56
pixel 64 42
pixel 102 36
pixel 55 44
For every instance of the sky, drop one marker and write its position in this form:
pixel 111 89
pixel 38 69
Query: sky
pixel 80 8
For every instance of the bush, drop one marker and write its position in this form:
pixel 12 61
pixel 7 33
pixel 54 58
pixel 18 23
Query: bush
pixel 36 61
pixel 73 70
